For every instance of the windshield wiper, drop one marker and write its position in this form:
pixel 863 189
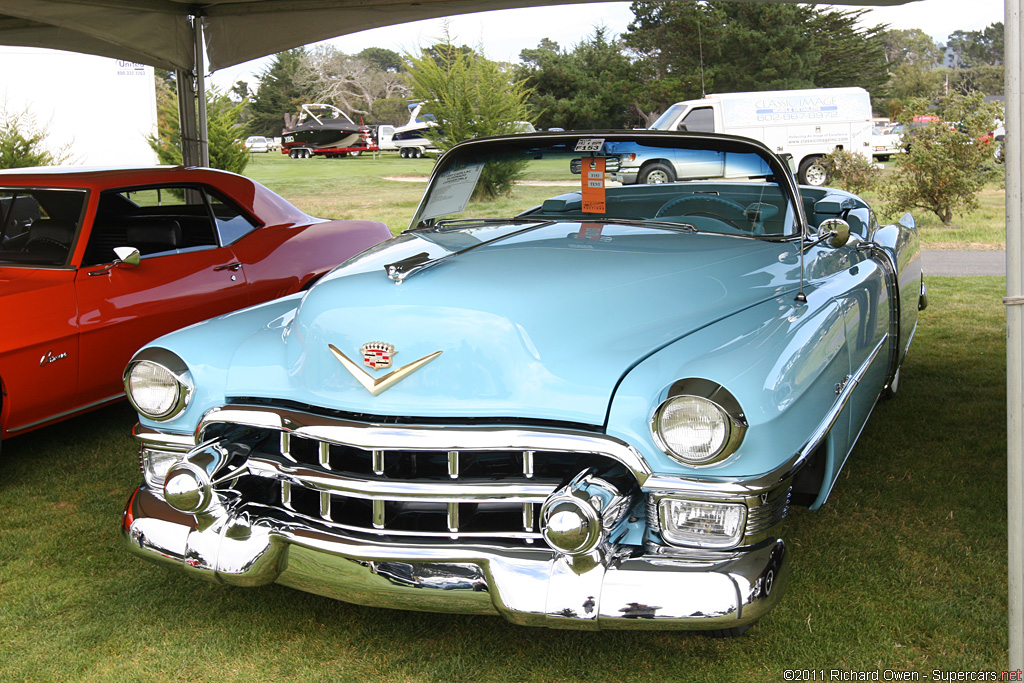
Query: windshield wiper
pixel 459 222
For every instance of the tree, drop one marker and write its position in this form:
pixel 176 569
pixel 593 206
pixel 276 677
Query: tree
pixel 688 49
pixel 470 96
pixel 351 83
pixel 278 94
pixel 944 166
pixel 909 81
pixel 988 79
pixel 593 86
pixel 977 48
pixel 382 59
pixel 23 142
pixel 910 46
pixel 226 150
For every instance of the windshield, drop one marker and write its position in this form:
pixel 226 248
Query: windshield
pixel 700 183
pixel 38 226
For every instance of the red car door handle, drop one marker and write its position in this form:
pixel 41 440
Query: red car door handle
pixel 230 266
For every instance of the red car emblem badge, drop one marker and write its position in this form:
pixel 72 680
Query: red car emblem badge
pixel 377 355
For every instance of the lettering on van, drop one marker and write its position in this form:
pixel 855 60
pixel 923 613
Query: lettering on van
pixel 130 68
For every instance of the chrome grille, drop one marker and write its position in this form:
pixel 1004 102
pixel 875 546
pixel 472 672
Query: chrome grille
pixel 434 493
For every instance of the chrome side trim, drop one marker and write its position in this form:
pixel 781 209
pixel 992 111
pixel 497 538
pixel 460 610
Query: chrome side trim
pixel 67 413
pixel 718 488
pixel 378 437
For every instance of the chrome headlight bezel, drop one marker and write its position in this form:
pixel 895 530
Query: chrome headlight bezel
pixel 718 401
pixel 180 384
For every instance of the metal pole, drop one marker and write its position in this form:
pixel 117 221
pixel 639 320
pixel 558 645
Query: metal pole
pixel 187 118
pixel 1014 332
pixel 201 129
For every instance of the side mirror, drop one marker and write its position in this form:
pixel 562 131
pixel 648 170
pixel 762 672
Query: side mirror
pixel 835 230
pixel 129 255
pixel 908 222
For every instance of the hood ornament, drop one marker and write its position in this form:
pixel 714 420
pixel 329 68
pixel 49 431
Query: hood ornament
pixel 373 352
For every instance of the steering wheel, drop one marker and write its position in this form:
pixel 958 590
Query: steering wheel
pixel 713 206
pixel 45 243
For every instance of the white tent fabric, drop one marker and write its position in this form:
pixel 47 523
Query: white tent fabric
pixel 162 33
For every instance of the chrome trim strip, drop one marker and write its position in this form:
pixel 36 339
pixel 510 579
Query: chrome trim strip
pixel 67 413
pixel 157 440
pixel 717 488
pixel 398 490
pixel 371 437
pixel 453 464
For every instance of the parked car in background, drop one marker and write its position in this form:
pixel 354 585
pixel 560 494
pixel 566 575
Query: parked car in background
pixel 257 143
pixel 886 143
pixel 592 411
pixel 94 264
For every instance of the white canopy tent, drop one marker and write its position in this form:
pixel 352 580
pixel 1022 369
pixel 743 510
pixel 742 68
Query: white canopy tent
pixel 172 34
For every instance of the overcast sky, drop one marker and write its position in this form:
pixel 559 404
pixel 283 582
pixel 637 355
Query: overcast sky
pixel 503 34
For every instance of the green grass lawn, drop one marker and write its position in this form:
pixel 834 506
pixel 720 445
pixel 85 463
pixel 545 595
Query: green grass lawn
pixel 904 568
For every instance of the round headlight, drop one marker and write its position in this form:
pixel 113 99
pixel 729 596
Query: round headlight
pixel 157 384
pixel 693 429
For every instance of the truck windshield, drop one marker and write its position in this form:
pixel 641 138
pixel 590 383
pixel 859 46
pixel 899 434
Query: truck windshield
pixel 666 120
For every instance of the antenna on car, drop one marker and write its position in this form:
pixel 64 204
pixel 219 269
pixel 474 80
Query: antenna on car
pixel 700 45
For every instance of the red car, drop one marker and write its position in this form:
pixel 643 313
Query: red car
pixel 191 244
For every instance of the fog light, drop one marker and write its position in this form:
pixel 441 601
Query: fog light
pixel 702 524
pixel 156 464
pixel 188 489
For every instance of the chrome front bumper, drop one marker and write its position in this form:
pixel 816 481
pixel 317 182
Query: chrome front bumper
pixel 608 589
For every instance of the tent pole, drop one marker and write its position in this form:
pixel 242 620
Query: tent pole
pixel 1013 157
pixel 201 128
pixel 187 118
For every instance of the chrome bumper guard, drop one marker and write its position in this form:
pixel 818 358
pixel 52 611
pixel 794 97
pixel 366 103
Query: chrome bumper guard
pixel 610 588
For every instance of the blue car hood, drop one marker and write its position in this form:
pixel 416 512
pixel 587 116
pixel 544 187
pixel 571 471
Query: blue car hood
pixel 539 325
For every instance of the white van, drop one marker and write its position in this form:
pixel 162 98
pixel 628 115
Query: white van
pixel 807 124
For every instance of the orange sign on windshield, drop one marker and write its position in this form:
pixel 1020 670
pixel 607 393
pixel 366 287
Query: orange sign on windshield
pixel 593 185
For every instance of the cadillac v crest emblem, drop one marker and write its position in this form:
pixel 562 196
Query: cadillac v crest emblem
pixel 378 355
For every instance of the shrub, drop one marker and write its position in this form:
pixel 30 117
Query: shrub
pixel 852 172
pixel 22 140
pixel 947 161
pixel 470 96
pixel 226 150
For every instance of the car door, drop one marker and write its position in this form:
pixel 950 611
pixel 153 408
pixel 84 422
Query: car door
pixel 863 293
pixel 184 276
pixel 39 344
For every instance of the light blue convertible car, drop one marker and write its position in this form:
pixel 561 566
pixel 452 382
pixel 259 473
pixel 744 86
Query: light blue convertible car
pixel 578 405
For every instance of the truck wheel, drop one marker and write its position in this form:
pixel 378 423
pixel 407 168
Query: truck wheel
pixel 291 154
pixel 356 153
pixel 417 153
pixel 813 172
pixel 656 174
pixel 404 153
